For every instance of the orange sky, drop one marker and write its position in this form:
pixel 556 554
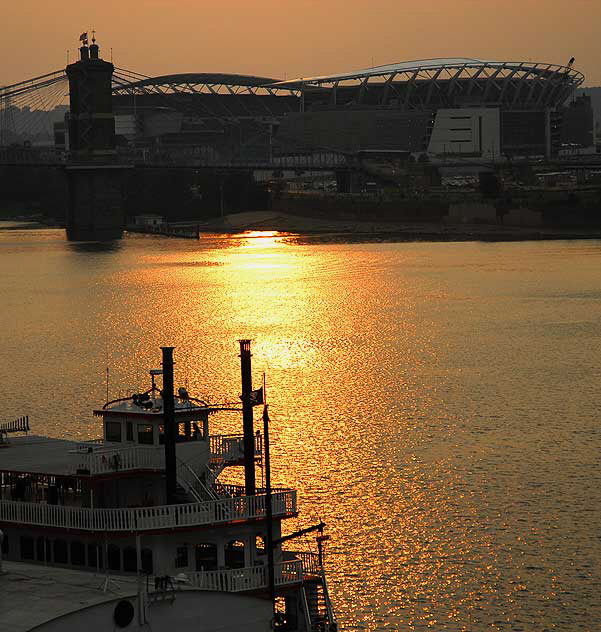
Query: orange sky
pixel 294 39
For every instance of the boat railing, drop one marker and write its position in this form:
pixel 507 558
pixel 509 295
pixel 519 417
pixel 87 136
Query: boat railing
pixel 90 445
pixel 142 519
pixel 308 559
pixel 190 480
pixel 103 461
pixel 231 447
pixel 230 490
pixel 247 578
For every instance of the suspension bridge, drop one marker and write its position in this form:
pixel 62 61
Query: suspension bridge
pixel 30 109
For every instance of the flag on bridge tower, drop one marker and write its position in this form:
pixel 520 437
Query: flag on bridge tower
pixel 83 37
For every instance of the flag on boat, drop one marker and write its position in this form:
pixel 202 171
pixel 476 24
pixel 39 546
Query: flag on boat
pixel 256 397
pixel 83 37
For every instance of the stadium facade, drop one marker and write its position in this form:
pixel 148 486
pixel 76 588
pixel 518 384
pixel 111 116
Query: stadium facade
pixel 442 107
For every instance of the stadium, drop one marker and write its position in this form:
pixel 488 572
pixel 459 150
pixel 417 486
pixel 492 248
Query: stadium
pixel 441 107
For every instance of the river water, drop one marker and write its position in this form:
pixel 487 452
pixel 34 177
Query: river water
pixel 437 405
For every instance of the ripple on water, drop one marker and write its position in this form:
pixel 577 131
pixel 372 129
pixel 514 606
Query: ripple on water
pixel 436 404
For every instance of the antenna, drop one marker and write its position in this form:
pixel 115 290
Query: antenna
pixel 186 369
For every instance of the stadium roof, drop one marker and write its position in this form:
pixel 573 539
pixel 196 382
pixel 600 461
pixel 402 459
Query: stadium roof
pixel 437 66
pixel 194 82
pixel 420 84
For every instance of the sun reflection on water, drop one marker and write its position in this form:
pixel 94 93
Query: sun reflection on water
pixel 322 330
pixel 398 383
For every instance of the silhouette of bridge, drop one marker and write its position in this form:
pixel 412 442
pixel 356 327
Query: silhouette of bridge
pixel 30 110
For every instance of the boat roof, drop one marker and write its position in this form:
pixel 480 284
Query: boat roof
pixel 182 408
pixel 35 454
pixel 31 594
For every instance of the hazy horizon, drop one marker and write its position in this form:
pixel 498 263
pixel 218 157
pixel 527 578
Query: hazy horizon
pixel 286 40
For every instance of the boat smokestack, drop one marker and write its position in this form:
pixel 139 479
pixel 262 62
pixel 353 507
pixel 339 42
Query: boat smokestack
pixel 169 423
pixel 247 418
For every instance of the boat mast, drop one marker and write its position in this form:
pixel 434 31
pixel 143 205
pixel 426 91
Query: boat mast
pixel 169 424
pixel 247 418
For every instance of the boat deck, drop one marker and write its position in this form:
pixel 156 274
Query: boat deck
pixel 38 455
pixel 32 594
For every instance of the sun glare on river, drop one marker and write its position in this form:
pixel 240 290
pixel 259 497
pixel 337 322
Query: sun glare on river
pixel 259 238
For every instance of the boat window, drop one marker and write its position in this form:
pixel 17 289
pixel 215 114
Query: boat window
pixel 129 431
pixel 206 557
pixel 26 547
pixel 113 431
pixel 147 566
pixel 43 549
pixel 181 431
pixel 114 558
pixel 52 495
pixel 145 434
pixel 20 489
pixel 130 562
pixel 94 555
pixel 260 544
pixel 61 554
pixel 181 556
pixel 78 553
pixel 234 554
pixel 280 607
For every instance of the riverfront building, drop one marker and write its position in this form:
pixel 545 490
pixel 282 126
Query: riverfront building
pixel 443 107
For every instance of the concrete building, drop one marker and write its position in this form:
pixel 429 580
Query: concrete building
pixel 578 127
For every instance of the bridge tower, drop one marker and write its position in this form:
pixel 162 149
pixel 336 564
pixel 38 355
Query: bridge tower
pixel 91 121
pixel 94 178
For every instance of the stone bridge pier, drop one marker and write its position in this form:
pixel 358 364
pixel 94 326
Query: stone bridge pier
pixel 96 202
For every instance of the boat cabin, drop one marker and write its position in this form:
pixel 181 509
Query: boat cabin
pixel 138 420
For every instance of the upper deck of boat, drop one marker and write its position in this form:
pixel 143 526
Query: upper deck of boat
pixel 33 454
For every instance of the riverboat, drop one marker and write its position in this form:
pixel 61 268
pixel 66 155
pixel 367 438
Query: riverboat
pixel 136 531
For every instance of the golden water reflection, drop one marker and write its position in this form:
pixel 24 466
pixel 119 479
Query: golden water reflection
pixel 401 380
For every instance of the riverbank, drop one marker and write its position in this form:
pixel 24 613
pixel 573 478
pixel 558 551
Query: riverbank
pixel 322 230
pixel 333 229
